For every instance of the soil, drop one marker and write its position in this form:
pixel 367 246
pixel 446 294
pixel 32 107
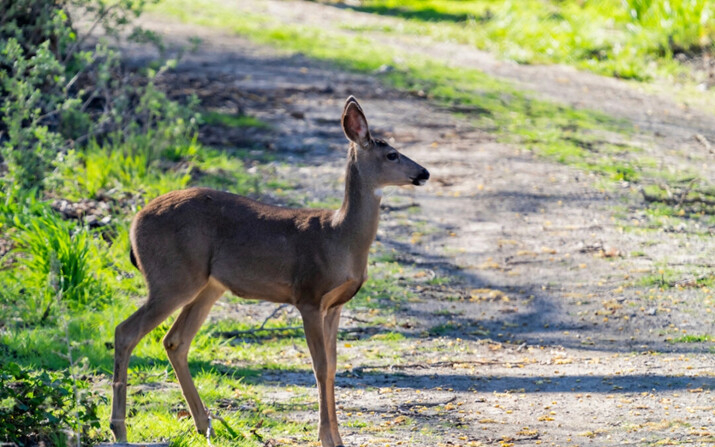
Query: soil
pixel 539 333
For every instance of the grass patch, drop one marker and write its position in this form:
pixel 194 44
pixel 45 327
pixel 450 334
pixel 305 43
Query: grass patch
pixel 703 338
pixel 388 336
pixel 232 120
pixel 444 329
pixel 664 278
pixel 381 291
pixel 694 276
pixel 251 418
pixel 625 39
pixel 391 282
pixel 120 170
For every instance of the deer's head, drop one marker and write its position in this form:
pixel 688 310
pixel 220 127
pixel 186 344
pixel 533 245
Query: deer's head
pixel 379 163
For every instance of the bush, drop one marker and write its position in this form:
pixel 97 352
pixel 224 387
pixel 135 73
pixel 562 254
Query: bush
pixel 74 122
pixel 35 38
pixel 30 145
pixel 56 96
pixel 46 407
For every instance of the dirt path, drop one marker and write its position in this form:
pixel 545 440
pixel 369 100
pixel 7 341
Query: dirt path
pixel 541 334
pixel 665 124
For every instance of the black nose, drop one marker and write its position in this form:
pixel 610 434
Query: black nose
pixel 421 178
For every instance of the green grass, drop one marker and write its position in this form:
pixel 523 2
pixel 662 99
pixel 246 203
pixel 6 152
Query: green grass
pixel 232 120
pixel 444 328
pixel 553 130
pixel 251 415
pixel 388 336
pixel 626 39
pixel 663 278
pixel 381 291
pixel 703 338
pixel 666 277
pixel 120 170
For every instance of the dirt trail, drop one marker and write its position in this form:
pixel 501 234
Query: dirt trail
pixel 665 124
pixel 550 343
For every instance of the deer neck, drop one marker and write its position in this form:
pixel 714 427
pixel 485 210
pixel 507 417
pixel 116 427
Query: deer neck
pixel 359 214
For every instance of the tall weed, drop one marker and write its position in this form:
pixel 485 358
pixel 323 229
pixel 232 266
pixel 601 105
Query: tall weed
pixel 676 25
pixel 56 261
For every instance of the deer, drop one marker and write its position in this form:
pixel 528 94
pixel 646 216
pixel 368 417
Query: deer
pixel 193 245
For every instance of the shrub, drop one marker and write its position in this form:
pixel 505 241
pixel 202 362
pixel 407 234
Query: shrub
pixel 73 121
pixel 56 96
pixel 46 407
pixel 30 145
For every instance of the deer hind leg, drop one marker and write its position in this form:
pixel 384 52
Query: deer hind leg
pixel 177 342
pixel 315 323
pixel 161 303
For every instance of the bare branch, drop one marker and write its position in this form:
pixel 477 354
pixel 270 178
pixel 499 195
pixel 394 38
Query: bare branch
pixel 80 41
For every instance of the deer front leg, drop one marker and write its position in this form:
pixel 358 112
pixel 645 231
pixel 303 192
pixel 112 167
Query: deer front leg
pixel 315 323
pixel 330 334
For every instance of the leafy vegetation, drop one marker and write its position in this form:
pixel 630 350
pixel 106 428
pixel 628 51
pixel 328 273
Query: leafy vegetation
pixel 704 338
pixel 45 407
pixel 84 143
pixel 626 39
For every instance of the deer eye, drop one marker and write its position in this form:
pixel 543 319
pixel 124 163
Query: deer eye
pixel 392 156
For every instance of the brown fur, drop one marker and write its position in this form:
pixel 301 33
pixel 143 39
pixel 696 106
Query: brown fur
pixel 193 245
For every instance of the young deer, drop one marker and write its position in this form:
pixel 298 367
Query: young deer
pixel 193 245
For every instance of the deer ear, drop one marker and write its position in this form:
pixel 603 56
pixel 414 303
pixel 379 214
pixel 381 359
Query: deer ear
pixel 355 124
pixel 351 99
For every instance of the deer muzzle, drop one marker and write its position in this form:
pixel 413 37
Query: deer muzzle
pixel 421 178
